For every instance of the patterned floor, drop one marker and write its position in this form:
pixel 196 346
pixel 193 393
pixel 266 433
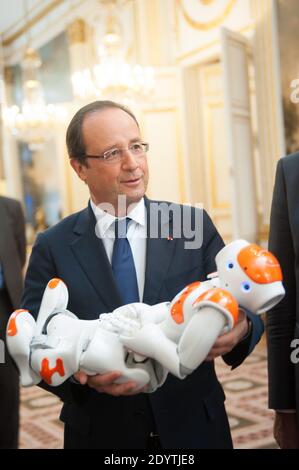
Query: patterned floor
pixel 246 403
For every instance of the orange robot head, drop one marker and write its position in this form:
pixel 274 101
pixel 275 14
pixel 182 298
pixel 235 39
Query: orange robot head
pixel 252 275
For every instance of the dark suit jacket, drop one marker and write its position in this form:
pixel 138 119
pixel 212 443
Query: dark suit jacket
pixel 12 247
pixel 188 413
pixel 283 319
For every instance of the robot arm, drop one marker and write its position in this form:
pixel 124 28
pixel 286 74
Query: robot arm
pixel 58 344
pixel 202 318
pixel 38 348
pixel 215 311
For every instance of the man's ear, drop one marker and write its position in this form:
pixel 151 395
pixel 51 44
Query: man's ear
pixel 79 168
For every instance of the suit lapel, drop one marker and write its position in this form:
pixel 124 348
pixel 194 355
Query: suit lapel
pixel 159 253
pixel 90 253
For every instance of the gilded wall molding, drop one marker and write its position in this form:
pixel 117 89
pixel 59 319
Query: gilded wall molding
pixel 185 55
pixel 216 204
pixel 27 26
pixel 179 146
pixel 269 115
pixel 76 32
pixel 204 26
pixel 207 2
pixel 8 76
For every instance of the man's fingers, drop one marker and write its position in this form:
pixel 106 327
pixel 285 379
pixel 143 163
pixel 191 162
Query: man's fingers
pixel 116 390
pixel 215 353
pixel 223 340
pixel 101 380
pixel 81 377
pixel 105 383
pixel 127 389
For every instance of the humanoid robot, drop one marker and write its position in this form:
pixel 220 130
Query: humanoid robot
pixel 144 342
pixel 247 275
pixel 58 344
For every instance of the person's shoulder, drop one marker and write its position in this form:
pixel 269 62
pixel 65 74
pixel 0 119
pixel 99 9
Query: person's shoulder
pixel 290 161
pixel 9 202
pixel 288 171
pixel 64 226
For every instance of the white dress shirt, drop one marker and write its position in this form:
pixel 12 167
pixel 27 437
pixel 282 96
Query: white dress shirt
pixel 136 235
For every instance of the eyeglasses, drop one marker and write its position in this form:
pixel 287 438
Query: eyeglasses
pixel 137 149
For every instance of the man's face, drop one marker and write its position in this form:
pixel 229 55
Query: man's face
pixel 102 131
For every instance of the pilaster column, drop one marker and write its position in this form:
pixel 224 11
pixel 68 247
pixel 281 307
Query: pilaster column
pixel 11 179
pixel 269 101
pixel 153 31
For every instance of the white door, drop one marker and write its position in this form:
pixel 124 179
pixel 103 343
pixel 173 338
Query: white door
pixel 239 139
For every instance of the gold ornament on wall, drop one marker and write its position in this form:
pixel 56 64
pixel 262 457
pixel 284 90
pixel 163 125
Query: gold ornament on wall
pixel 206 2
pixel 208 24
pixel 76 32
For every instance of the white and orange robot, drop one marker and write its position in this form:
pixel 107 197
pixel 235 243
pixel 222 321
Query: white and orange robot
pixel 144 342
pixel 58 344
pixel 247 276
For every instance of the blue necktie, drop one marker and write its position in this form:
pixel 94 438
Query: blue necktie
pixel 123 266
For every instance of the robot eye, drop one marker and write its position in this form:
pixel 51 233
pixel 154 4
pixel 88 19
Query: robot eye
pixel 246 286
pixel 229 265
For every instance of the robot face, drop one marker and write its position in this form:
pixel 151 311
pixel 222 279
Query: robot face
pixel 251 274
pixel 244 285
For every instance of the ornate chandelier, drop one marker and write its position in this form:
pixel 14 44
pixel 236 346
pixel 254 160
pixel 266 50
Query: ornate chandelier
pixel 34 122
pixel 113 77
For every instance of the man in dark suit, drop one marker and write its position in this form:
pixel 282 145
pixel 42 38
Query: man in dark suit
pixel 283 319
pixel 12 260
pixel 108 154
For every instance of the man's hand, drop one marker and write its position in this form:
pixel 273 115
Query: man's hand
pixel 105 383
pixel 225 343
pixel 286 430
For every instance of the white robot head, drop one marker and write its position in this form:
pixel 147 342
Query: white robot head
pixel 251 274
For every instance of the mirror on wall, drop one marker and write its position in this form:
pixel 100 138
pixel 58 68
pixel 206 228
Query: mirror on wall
pixel 41 192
